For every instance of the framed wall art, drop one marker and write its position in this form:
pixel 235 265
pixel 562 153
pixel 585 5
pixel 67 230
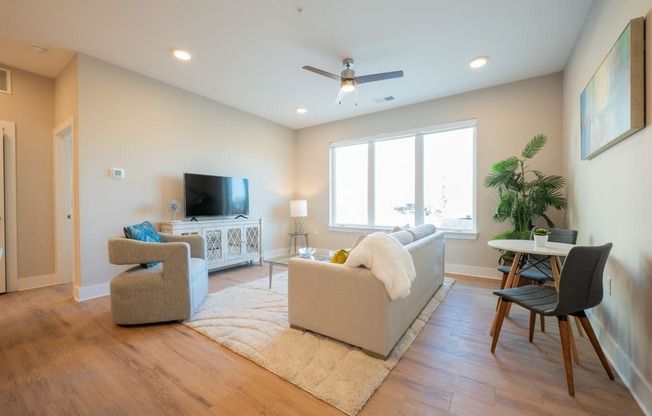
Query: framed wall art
pixel 612 106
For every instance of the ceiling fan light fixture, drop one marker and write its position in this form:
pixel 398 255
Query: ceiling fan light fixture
pixel 347 85
pixel 479 62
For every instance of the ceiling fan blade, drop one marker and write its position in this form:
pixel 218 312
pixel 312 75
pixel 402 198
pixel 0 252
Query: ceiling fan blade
pixel 320 72
pixel 378 77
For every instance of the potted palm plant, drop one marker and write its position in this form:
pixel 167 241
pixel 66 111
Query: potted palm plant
pixel 525 195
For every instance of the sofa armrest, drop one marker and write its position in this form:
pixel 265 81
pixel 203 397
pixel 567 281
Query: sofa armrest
pixel 346 303
pixel 128 251
pixel 195 241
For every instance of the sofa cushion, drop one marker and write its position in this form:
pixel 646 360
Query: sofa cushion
pixel 421 231
pixel 403 237
pixel 146 232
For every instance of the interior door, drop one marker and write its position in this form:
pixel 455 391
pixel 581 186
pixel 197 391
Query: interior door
pixel 64 201
pixel 3 270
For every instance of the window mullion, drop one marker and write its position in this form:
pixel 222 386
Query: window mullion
pixel 333 187
pixel 371 184
pixel 419 199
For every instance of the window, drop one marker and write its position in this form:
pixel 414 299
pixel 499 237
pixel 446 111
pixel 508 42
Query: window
pixel 418 177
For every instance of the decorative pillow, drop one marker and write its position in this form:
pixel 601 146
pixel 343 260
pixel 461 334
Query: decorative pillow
pixel 340 256
pixel 143 232
pixel 400 228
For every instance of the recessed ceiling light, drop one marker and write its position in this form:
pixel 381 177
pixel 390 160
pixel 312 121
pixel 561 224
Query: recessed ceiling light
pixel 301 110
pixel 181 54
pixel 478 62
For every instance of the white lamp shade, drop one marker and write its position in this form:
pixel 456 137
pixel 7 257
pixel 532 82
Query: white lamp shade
pixel 299 208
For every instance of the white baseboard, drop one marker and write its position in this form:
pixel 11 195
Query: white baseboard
pixel 91 292
pixel 472 271
pixel 639 387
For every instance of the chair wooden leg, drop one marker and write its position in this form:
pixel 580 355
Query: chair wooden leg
pixel 564 330
pixel 502 286
pixel 543 323
pixel 579 326
pixel 596 345
pixel 500 317
pixel 573 347
pixel 533 317
pixel 517 277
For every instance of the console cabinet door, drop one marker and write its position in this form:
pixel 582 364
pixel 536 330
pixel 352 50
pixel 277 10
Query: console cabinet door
pixel 234 240
pixel 252 239
pixel 214 241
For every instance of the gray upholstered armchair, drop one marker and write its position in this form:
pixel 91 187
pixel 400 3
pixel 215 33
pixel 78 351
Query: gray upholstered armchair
pixel 172 290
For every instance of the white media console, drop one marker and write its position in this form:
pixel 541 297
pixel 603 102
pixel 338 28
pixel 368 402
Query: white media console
pixel 228 242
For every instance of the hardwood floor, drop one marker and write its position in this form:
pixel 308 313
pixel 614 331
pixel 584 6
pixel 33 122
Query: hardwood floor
pixel 61 357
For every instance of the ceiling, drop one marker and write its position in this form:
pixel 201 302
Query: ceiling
pixel 249 54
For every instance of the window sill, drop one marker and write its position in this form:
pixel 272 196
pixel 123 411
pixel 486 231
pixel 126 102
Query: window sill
pixel 448 234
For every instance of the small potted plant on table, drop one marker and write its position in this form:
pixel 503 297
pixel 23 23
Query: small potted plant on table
pixel 540 236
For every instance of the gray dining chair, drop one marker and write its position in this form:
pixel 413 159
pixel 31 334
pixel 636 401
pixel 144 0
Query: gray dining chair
pixel 580 288
pixel 537 268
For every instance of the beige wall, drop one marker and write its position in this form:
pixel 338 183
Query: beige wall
pixel 65 93
pixel 156 133
pixel 508 116
pixel 610 202
pixel 30 106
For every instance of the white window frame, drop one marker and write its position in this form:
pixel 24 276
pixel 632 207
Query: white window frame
pixel 419 169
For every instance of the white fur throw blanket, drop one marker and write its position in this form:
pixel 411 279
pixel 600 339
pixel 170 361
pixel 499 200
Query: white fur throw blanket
pixel 388 260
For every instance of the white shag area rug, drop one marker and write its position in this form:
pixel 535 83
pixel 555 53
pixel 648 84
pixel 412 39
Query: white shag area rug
pixel 251 320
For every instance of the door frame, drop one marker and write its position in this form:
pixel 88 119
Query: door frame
pixel 10 217
pixel 63 140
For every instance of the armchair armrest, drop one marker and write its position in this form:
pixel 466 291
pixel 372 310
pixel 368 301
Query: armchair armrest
pixel 195 241
pixel 128 251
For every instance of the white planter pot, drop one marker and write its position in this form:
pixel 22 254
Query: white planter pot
pixel 540 240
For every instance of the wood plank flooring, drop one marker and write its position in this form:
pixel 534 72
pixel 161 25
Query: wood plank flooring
pixel 61 357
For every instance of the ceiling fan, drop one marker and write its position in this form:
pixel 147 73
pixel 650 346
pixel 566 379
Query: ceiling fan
pixel 348 80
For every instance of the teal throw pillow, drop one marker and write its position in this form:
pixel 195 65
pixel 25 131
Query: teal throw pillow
pixel 143 232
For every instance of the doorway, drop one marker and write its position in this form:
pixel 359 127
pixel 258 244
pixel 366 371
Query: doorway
pixel 63 173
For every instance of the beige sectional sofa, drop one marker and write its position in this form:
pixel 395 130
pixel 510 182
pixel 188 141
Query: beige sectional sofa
pixel 351 305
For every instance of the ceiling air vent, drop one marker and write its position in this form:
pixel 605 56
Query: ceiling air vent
pixel 5 81
pixel 383 99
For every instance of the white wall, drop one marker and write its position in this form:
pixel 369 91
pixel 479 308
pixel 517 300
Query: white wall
pixel 610 202
pixel 157 132
pixel 508 116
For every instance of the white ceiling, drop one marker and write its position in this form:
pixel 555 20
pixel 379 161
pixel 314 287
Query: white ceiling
pixel 249 54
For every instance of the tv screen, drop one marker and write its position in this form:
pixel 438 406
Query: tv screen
pixel 207 195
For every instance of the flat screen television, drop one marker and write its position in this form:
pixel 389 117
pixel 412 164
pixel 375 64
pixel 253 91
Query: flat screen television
pixel 208 195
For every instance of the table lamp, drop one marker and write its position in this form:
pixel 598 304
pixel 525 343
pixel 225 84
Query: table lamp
pixel 298 209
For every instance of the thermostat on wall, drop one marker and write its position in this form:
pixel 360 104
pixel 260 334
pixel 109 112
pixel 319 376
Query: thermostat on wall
pixel 117 173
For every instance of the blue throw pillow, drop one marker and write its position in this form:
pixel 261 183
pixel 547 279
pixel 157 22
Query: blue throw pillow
pixel 143 232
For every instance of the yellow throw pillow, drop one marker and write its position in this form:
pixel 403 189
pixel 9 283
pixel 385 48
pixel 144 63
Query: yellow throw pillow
pixel 340 256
